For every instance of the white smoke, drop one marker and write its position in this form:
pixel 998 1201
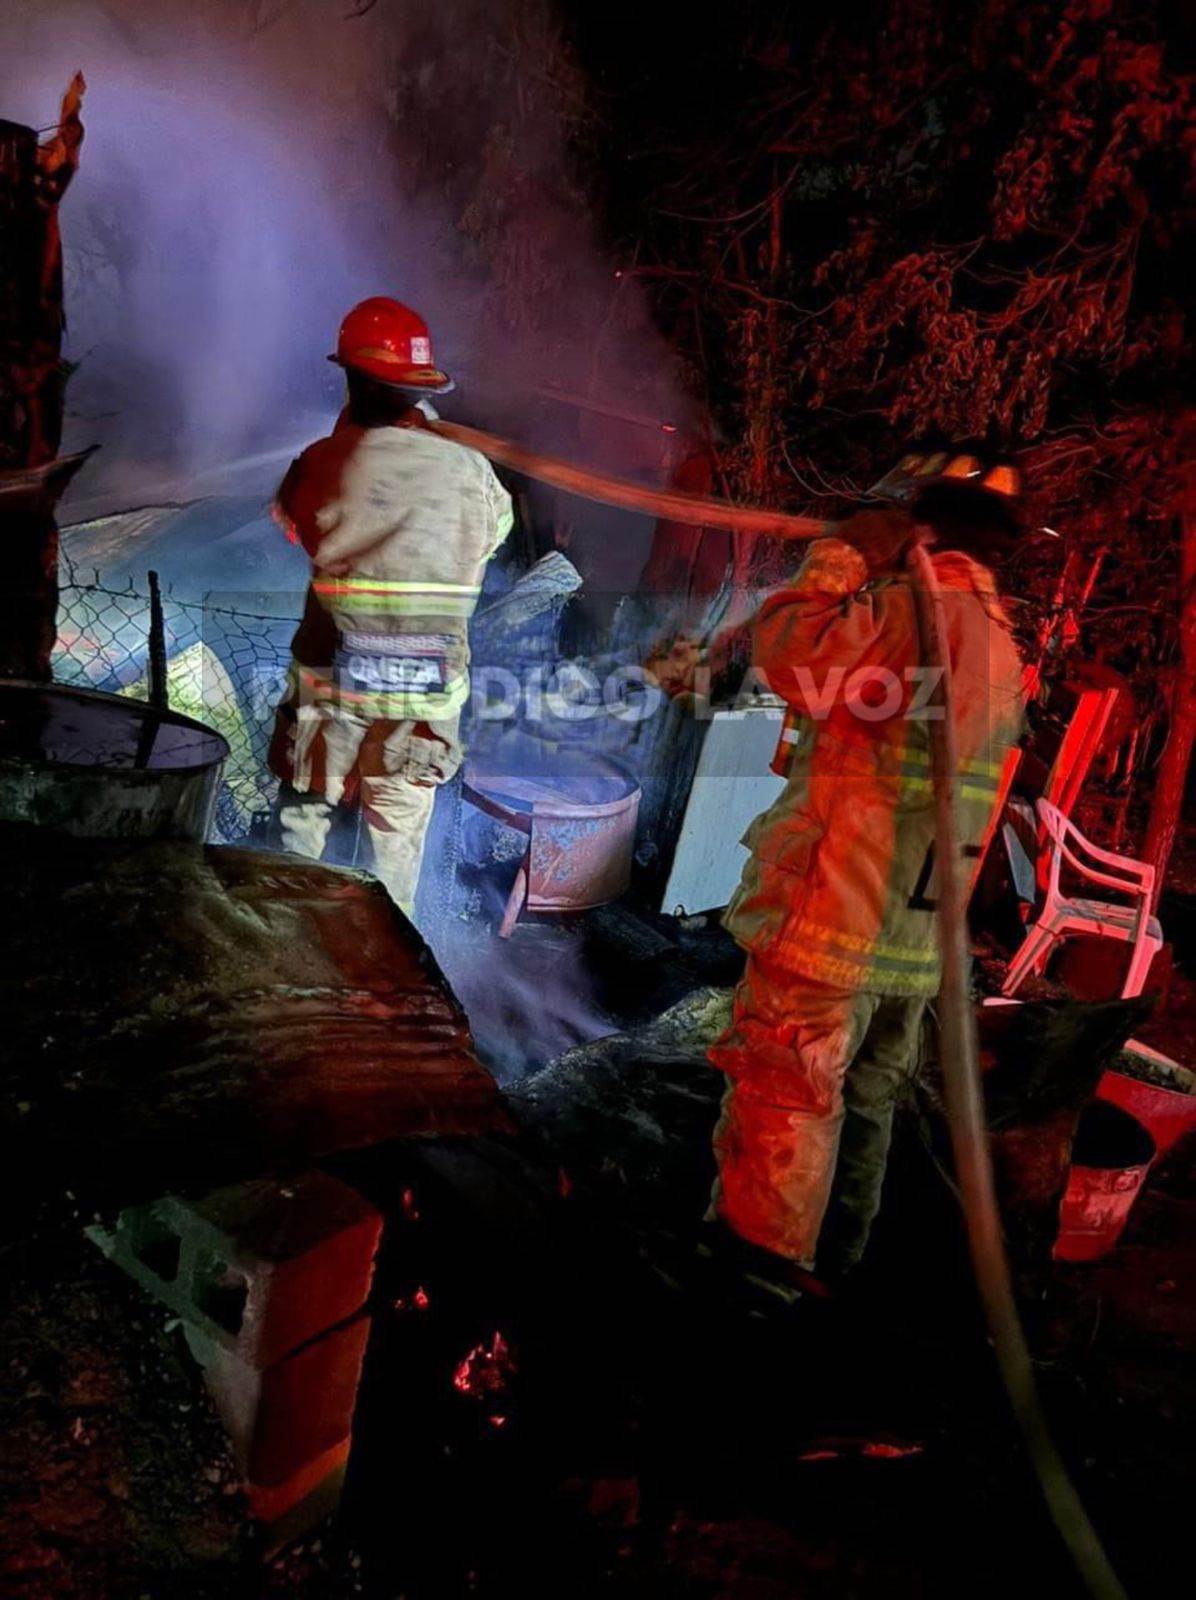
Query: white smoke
pixel 251 168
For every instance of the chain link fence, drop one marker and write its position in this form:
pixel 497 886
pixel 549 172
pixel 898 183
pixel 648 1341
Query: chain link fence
pixel 226 666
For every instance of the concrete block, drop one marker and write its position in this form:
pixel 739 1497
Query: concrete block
pixel 290 1425
pixel 285 1511
pixel 258 1268
pixel 283 1417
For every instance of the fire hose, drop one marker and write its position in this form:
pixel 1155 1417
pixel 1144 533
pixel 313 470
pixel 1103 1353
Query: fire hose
pixel 670 504
pixel 965 1116
pixel 957 1023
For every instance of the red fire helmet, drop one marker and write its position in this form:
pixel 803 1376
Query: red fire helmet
pixel 979 473
pixel 388 341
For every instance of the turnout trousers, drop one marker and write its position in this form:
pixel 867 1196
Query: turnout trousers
pixel 396 767
pixel 814 1075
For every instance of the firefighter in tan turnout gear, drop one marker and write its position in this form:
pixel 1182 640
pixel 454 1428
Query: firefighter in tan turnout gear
pixel 836 904
pixel 399 524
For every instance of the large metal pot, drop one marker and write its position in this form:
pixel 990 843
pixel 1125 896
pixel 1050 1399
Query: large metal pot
pixel 100 766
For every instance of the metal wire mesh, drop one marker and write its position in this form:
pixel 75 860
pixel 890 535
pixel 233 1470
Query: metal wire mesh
pixel 225 666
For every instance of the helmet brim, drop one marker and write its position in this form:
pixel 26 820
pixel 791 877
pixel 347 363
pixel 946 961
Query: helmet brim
pixel 429 380
pixel 907 491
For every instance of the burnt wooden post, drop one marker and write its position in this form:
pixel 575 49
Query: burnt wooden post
pixel 33 179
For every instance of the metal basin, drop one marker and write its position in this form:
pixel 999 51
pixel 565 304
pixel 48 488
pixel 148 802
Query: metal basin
pixel 579 813
pixel 100 766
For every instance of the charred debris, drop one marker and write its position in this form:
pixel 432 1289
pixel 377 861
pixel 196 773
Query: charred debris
pixel 342 1258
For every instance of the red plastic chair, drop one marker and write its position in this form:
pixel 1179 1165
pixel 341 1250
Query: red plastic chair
pixel 1061 916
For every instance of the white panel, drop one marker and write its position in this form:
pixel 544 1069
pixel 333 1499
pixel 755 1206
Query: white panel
pixel 732 786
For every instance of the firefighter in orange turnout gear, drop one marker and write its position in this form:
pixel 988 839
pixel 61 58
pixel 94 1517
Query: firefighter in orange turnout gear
pixel 399 524
pixel 836 904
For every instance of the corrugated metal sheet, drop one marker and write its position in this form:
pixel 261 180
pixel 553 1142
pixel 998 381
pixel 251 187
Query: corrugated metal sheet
pixel 201 1015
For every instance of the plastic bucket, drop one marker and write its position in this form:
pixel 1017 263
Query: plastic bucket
pixel 1111 1156
pixel 1156 1090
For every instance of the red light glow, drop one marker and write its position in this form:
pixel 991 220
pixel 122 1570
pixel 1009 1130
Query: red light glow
pixel 419 1301
pixel 485 1371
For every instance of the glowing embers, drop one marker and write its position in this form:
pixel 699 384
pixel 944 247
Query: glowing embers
pixel 861 1450
pixel 486 1372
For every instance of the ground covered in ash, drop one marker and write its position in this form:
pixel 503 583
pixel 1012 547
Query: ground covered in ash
pixel 561 1396
pixel 623 1426
pixel 115 1472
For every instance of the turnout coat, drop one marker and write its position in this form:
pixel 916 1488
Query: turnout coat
pixel 840 885
pixel 399 524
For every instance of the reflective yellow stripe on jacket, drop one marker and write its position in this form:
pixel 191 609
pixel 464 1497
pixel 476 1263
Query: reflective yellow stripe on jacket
pixel 376 596
pixel 978 780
